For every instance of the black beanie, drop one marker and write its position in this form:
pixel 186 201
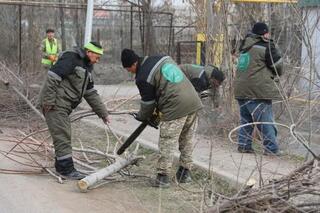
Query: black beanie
pixel 128 57
pixel 260 28
pixel 50 30
pixel 217 74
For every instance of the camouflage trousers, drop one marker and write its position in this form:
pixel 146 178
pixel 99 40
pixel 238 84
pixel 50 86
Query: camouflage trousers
pixel 59 126
pixel 180 130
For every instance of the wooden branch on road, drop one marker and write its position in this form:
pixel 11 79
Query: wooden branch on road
pixel 119 164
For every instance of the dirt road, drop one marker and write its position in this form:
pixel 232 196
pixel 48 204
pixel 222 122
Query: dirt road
pixel 42 193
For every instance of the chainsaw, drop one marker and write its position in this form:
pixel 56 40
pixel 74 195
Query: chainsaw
pixel 153 122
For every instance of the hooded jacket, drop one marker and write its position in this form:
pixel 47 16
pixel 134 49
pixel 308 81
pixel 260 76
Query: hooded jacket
pixel 68 81
pixel 259 67
pixel 162 85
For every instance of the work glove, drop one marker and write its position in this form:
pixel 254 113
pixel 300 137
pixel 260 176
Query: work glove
pixel 135 115
pixel 153 121
pixel 205 94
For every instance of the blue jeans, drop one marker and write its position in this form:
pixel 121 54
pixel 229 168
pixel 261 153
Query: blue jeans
pixel 257 111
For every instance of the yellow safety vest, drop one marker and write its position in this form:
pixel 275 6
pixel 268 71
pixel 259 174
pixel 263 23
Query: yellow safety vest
pixel 50 51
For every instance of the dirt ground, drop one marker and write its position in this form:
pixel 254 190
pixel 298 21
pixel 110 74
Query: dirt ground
pixel 125 193
pixel 133 193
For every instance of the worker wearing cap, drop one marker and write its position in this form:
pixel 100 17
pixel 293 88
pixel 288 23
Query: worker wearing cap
pixel 256 85
pixel 205 79
pixel 50 49
pixel 68 81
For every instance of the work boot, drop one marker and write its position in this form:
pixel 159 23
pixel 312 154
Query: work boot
pixel 162 181
pixel 74 175
pixel 183 175
pixel 244 150
pixel 66 169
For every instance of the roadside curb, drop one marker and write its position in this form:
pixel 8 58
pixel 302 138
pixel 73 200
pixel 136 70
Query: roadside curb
pixel 233 180
pixel 230 178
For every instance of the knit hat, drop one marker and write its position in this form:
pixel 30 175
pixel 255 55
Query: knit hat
pixel 128 57
pixel 260 28
pixel 94 47
pixel 217 74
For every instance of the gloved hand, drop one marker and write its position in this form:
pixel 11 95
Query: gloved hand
pixel 154 120
pixel 135 115
pixel 205 94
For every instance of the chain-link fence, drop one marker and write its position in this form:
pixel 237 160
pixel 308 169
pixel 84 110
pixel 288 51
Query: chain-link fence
pixel 24 25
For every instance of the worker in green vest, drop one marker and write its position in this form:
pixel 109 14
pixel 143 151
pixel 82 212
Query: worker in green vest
pixel 50 49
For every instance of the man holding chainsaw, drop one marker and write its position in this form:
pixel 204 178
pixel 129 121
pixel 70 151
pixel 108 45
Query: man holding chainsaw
pixel 166 91
pixel 205 79
pixel 68 81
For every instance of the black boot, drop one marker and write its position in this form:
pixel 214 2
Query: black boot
pixel 66 168
pixel 183 175
pixel 162 181
pixel 74 175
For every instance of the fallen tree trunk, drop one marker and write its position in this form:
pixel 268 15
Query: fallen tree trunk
pixel 120 163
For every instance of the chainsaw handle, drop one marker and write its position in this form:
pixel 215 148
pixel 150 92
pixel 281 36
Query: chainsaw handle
pixel 151 121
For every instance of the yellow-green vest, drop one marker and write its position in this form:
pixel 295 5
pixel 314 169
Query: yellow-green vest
pixel 50 51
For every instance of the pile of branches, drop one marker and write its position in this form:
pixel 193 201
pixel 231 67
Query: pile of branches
pixel 297 192
pixel 35 154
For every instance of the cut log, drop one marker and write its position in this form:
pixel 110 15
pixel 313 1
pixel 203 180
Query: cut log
pixel 119 164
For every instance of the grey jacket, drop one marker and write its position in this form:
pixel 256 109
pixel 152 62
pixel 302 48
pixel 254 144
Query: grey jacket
pixel 163 85
pixel 68 81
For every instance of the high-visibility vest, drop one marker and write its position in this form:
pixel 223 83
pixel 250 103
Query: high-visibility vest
pixel 50 51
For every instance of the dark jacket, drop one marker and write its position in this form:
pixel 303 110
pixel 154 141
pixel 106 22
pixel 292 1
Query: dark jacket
pixel 68 81
pixel 199 76
pixel 259 66
pixel 163 85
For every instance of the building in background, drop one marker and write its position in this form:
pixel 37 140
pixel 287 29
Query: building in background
pixel 310 54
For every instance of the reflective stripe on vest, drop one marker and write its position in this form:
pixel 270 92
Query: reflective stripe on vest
pixel 50 50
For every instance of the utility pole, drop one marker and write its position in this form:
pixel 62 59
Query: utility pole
pixel 210 23
pixel 63 29
pixel 88 31
pixel 20 39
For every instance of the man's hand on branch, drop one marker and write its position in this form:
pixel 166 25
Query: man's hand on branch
pixel 106 119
